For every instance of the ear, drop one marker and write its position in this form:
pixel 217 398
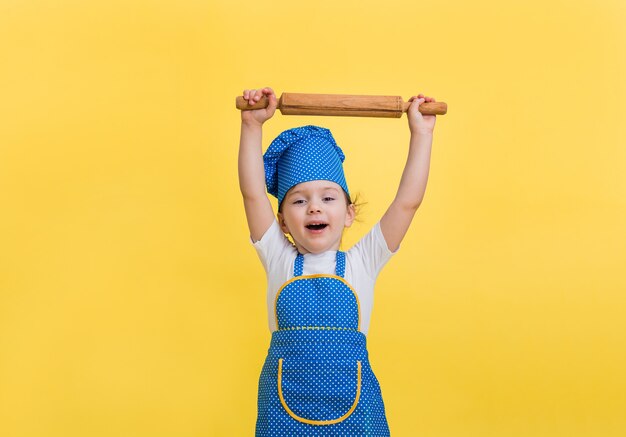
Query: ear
pixel 281 223
pixel 351 214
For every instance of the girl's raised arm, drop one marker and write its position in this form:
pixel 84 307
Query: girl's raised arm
pixel 396 221
pixel 258 208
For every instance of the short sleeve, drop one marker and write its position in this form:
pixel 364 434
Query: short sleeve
pixel 272 247
pixel 373 251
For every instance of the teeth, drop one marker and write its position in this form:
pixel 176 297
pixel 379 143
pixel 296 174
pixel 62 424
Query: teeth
pixel 316 226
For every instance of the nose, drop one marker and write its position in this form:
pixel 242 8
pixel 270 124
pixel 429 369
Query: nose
pixel 314 207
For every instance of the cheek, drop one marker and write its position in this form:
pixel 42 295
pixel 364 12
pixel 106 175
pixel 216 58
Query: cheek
pixel 292 217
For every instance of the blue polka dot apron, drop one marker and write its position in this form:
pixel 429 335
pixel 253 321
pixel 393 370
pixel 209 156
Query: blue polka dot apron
pixel 316 379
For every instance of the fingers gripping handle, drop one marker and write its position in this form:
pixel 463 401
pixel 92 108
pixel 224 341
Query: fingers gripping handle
pixel 428 108
pixel 243 105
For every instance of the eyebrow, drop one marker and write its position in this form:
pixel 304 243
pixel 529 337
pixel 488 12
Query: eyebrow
pixel 323 189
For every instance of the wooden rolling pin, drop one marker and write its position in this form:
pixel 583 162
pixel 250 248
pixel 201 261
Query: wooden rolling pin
pixel 343 104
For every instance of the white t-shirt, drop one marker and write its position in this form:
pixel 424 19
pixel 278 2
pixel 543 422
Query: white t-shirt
pixel 364 261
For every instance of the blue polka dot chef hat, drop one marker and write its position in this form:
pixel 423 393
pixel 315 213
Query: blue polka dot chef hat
pixel 302 154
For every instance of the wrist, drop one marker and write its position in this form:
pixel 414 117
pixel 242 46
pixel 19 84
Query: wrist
pixel 421 133
pixel 251 124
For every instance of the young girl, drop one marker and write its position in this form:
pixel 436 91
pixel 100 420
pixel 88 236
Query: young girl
pixel 317 379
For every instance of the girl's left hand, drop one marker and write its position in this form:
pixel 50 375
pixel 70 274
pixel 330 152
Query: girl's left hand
pixel 418 123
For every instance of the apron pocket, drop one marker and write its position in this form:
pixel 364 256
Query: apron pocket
pixel 319 393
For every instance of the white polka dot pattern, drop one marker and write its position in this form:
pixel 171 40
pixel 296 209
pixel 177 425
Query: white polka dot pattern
pixel 302 154
pixel 327 385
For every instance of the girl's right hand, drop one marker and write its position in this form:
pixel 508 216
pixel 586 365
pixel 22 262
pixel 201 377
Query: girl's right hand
pixel 259 116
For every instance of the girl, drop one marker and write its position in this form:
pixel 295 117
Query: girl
pixel 316 379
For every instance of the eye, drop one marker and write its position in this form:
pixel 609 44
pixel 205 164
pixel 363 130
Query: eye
pixel 298 202
pixel 328 199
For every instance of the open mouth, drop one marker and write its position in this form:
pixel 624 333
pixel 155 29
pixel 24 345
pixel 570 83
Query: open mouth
pixel 316 226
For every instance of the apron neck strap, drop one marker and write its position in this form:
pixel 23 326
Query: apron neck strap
pixel 340 269
pixel 341 264
pixel 298 265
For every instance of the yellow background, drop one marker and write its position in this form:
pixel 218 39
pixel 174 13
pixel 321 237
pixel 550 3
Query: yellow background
pixel 131 302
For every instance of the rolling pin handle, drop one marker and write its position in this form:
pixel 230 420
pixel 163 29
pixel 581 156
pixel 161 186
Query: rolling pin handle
pixel 428 108
pixel 243 105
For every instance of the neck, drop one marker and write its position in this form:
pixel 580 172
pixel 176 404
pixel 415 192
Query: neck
pixel 303 251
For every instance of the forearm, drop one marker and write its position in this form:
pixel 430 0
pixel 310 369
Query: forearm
pixel 250 165
pixel 415 175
